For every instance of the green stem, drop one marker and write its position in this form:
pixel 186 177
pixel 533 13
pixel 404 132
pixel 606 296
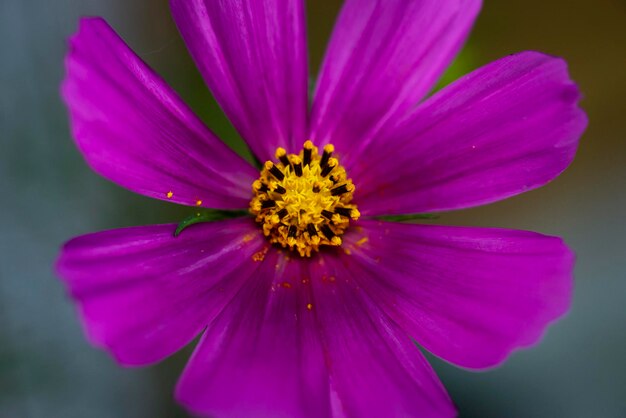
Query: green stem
pixel 208 216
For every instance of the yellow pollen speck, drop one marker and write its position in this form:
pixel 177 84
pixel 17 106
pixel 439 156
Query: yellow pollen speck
pixel 286 285
pixel 362 241
pixel 260 256
pixel 247 238
pixel 198 202
pixel 347 251
pixel 309 306
pixel 170 194
pixel 304 201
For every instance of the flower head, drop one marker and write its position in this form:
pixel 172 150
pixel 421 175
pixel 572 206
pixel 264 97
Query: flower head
pixel 311 305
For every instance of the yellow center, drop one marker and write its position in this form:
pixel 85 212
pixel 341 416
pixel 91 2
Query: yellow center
pixel 303 201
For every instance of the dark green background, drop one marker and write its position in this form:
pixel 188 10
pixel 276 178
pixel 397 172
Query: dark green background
pixel 47 195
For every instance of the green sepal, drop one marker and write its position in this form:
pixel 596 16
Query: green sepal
pixel 407 218
pixel 208 216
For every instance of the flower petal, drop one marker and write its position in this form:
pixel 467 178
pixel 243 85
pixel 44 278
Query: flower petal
pixel 384 56
pixel 252 55
pixel 144 294
pixel 506 128
pixel 134 130
pixel 469 295
pixel 262 356
pixel 375 368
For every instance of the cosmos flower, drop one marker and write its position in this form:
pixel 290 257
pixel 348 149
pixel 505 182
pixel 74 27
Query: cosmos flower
pixel 312 306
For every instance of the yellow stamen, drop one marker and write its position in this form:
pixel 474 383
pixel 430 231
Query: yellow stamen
pixel 280 152
pixel 303 201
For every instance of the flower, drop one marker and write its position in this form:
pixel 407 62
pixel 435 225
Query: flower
pixel 311 307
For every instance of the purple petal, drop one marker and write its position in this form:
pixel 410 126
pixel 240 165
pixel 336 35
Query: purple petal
pixel 134 130
pixel 144 294
pixel 262 357
pixel 252 55
pixel 506 128
pixel 469 295
pixel 384 56
pixel 375 368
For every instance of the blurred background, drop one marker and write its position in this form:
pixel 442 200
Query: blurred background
pixel 47 195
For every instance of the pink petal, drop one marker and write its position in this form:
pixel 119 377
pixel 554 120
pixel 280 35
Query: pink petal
pixel 469 295
pixel 262 357
pixel 134 130
pixel 384 56
pixel 375 368
pixel 144 294
pixel 506 128
pixel 252 55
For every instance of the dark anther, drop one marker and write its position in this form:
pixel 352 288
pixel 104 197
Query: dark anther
pixel 297 168
pixel 327 214
pixel 280 189
pixel 268 204
pixel 328 233
pixel 316 189
pixel 263 188
pixel 277 173
pixel 339 190
pixel 325 157
pixel 292 231
pixel 283 159
pixel 282 213
pixel 306 157
pixel 311 230
pixel 326 170
pixel 333 179
pixel 344 212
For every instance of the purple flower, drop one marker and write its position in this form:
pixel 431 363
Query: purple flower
pixel 310 307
